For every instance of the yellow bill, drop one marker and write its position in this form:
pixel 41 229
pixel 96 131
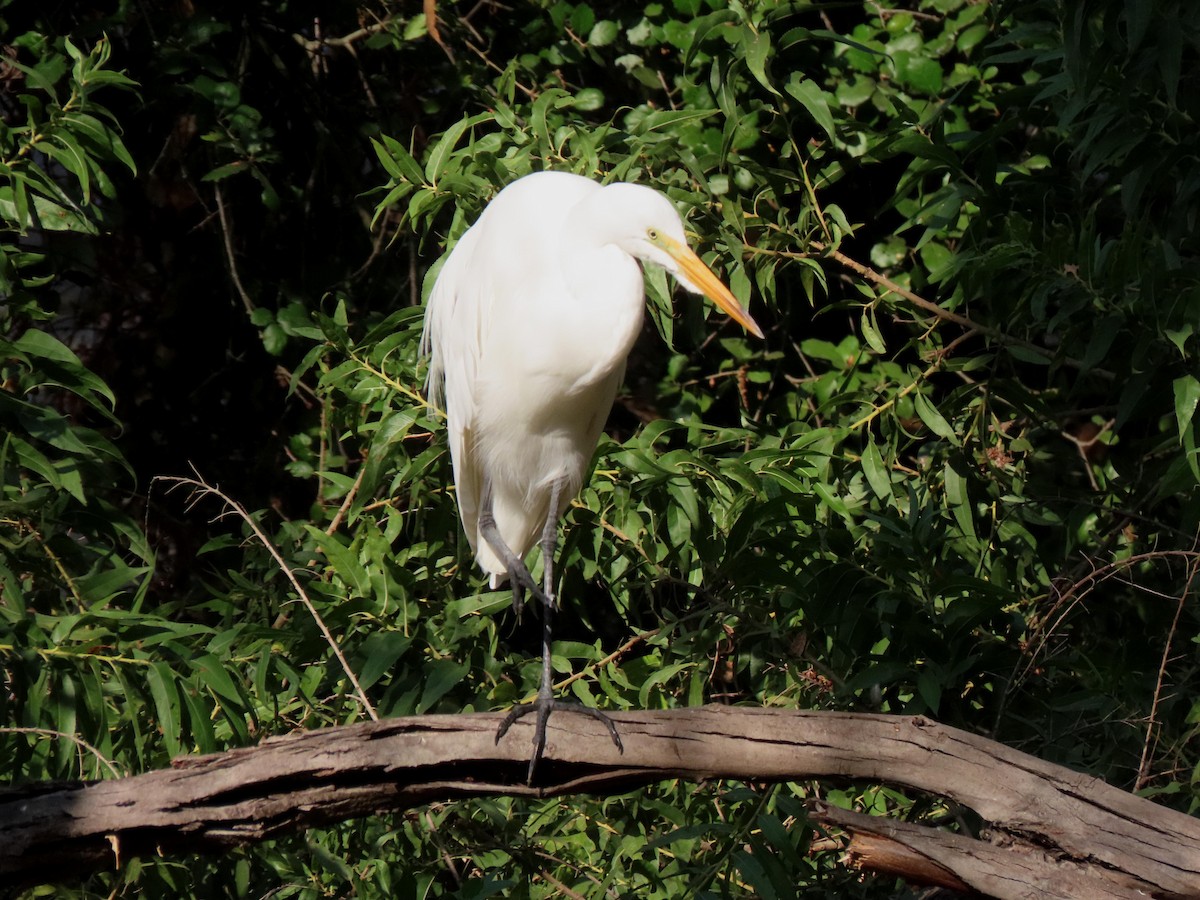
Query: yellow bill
pixel 702 277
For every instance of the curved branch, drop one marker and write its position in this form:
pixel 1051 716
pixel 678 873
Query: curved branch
pixel 1051 831
pixel 946 315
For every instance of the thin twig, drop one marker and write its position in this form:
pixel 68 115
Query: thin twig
pixel 487 61
pixel 350 494
pixel 916 14
pixel 611 658
pixel 68 580
pixel 577 868
pixel 812 198
pixel 905 391
pixel 560 888
pixel 446 857
pixel 314 45
pixel 378 239
pixel 397 386
pixel 75 739
pixel 1083 446
pixel 323 451
pixel 227 233
pixel 431 25
pixel 1077 591
pixel 362 78
pixel 943 313
pixel 204 488
pixel 927 305
pixel 1152 728
pixel 662 79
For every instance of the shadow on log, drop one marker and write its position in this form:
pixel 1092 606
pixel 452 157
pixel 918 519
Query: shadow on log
pixel 1051 832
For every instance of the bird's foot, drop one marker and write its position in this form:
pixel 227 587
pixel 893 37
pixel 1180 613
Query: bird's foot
pixel 543 706
pixel 523 583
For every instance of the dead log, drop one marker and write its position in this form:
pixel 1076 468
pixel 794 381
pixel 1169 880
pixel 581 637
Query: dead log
pixel 1051 832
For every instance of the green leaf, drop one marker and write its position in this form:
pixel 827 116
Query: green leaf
pixel 274 339
pixel 105 584
pixel 220 173
pixel 440 676
pixel 876 472
pixel 100 138
pixel 1138 16
pixel 603 33
pixel 46 213
pixel 485 604
pixel 814 100
pixel 214 677
pixel 63 148
pixel 400 163
pixel 1187 394
pixel 553 98
pixel 668 119
pixel 933 419
pixel 870 332
pixel 436 162
pixel 381 650
pixel 165 694
pixel 1179 337
pixel 589 99
pixel 344 561
pixel 930 688
pixel 830 499
pixel 74 52
pixel 70 372
pixel 758 47
pixel 1027 355
pixel 919 72
pixel 959 500
pixel 331 862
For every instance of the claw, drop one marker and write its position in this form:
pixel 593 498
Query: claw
pixel 522 582
pixel 543 706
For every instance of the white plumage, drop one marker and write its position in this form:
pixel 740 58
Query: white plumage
pixel 528 327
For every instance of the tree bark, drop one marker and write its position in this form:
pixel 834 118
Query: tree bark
pixel 1051 832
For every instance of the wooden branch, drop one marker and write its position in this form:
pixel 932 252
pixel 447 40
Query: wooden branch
pixel 1051 832
pixel 998 868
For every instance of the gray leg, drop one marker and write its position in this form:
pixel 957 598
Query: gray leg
pixel 550 541
pixel 518 573
pixel 545 702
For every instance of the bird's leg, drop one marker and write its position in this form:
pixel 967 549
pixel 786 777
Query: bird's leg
pixel 518 592
pixel 518 574
pixel 545 702
pixel 550 540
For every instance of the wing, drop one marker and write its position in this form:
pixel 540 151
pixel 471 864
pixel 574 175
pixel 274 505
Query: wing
pixel 475 317
pixel 451 306
pixel 454 325
pixel 491 253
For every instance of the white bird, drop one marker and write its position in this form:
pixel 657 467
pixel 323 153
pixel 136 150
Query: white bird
pixel 528 328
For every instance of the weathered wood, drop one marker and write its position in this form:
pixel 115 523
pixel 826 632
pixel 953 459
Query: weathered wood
pixel 929 856
pixel 1049 827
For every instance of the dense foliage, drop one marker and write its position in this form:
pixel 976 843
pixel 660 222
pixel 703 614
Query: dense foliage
pixel 959 478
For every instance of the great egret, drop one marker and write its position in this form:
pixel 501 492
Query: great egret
pixel 528 328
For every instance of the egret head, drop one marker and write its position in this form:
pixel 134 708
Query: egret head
pixel 647 226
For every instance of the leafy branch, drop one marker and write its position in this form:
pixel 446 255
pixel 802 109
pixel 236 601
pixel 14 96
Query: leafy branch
pixel 73 134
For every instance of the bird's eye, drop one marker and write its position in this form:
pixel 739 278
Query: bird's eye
pixel 652 233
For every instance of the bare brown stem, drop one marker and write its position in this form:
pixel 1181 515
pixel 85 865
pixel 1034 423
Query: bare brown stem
pixel 227 235
pixel 201 488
